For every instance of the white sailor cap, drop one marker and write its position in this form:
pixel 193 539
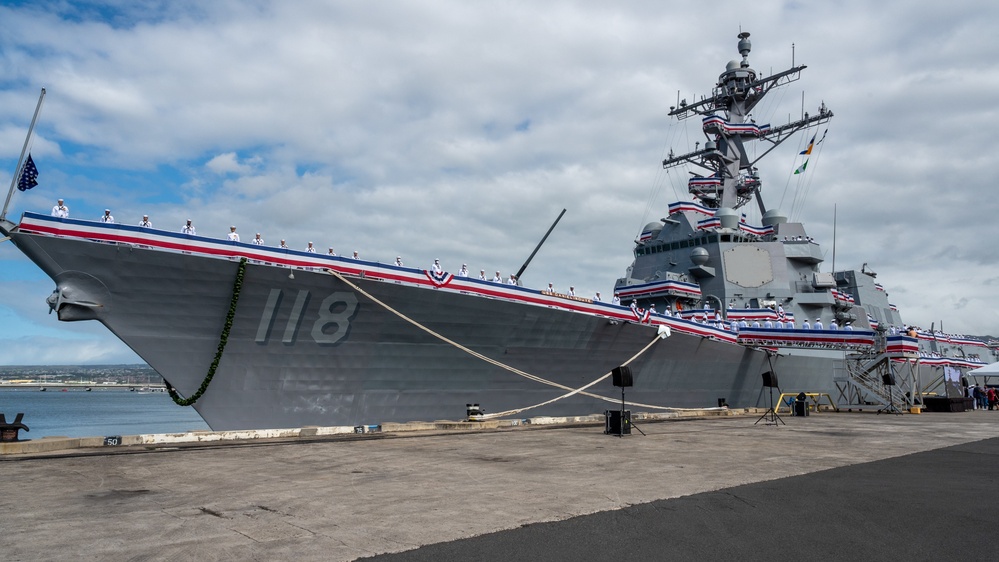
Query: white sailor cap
pixel 145 216
pixel 231 227
pixel 437 260
pixel 107 210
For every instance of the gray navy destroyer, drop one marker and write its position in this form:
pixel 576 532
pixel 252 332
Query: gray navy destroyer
pixel 267 337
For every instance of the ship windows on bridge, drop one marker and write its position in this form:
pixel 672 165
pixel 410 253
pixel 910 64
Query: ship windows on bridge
pixel 659 247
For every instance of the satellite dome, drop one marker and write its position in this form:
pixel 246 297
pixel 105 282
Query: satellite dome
pixel 774 217
pixel 732 65
pixel 654 228
pixel 699 256
pixel 728 217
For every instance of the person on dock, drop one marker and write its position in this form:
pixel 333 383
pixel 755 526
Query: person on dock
pixel 60 210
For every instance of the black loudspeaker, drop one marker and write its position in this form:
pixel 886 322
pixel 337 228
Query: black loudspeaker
pixel 622 376
pixel 888 379
pixel 770 379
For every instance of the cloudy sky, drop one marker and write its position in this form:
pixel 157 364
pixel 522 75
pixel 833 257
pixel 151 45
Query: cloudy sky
pixel 459 130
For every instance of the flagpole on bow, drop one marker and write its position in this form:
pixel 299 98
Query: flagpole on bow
pixel 20 161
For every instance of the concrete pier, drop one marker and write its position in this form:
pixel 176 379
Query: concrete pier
pixel 345 497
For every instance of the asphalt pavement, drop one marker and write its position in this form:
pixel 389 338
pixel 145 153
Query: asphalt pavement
pixel 827 486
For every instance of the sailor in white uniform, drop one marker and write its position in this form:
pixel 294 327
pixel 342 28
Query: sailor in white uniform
pixel 572 291
pixel 398 261
pixel 60 210
pixel 833 325
pixel 233 236
pixel 596 298
pixel 818 324
pixel 436 267
pixel 551 288
pixel 145 222
pixel 310 248
pixel 805 325
pixel 331 252
pixel 512 280
pixel 107 217
pixel 652 309
pixel 356 256
pixel 463 272
pixel 497 278
pixel 616 300
pixel 257 240
pixel 283 245
pixel 188 228
pixel 482 275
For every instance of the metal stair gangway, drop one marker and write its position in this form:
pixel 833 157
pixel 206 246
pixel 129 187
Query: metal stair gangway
pixel 885 375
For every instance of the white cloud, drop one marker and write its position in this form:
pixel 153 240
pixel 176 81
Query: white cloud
pixel 451 130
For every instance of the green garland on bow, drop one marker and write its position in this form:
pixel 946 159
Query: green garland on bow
pixel 237 286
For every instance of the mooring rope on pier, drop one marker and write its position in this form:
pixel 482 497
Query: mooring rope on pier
pixel 572 391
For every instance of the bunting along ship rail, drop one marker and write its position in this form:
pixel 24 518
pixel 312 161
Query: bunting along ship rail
pixel 309 339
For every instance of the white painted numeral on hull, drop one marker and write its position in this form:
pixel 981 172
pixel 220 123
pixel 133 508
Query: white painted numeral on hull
pixel 332 325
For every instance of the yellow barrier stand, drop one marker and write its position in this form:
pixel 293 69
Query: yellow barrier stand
pixel 815 397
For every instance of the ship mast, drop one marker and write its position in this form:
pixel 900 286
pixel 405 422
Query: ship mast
pixel 732 179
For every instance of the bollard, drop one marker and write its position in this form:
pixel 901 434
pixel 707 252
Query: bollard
pixel 8 431
pixel 473 412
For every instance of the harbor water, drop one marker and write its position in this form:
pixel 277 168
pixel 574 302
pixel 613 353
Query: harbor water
pixel 101 412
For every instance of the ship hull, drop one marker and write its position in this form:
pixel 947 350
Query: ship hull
pixel 310 348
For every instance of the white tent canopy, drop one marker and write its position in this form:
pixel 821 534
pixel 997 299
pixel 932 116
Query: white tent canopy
pixel 986 371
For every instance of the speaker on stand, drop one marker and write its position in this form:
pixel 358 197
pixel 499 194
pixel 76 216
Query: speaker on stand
pixel 621 377
pixel 770 382
pixel 888 382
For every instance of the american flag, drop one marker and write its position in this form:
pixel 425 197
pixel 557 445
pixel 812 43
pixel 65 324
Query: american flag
pixel 29 175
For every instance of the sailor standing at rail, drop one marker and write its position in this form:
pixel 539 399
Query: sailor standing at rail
pixel 497 278
pixel 596 297
pixel 107 217
pixel 833 325
pixel 436 267
pixel 398 261
pixel 233 236
pixel 463 272
pixel 572 291
pixel 310 248
pixel 257 240
pixel 331 252
pixel 482 275
pixel 805 325
pixel 512 280
pixel 818 324
pixel 283 245
pixel 145 222
pixel 188 228
pixel 61 211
